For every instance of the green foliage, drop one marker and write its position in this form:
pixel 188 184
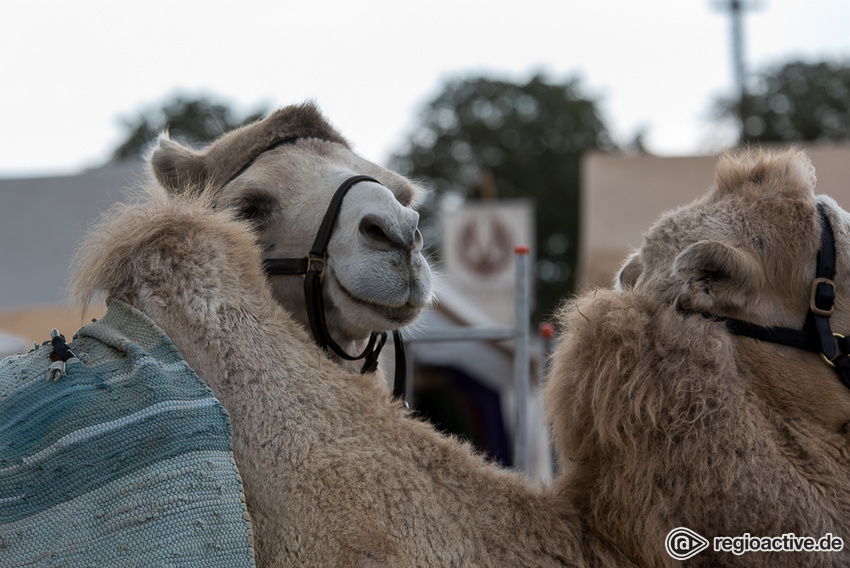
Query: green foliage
pixel 191 121
pixel 482 136
pixel 796 101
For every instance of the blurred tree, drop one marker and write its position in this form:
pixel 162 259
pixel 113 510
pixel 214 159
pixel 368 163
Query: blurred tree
pixel 796 101
pixel 481 137
pixel 191 121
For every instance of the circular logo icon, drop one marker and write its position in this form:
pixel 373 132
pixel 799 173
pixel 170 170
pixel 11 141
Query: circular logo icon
pixel 485 245
pixel 683 543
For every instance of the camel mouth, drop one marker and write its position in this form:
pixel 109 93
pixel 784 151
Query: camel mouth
pixel 397 316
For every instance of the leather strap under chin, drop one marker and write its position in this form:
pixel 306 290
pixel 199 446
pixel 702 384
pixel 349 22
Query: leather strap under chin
pixel 817 335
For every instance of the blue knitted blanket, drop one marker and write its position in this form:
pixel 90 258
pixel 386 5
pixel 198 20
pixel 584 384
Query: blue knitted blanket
pixel 125 461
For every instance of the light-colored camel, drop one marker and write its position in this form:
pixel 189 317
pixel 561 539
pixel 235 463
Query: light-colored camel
pixel 335 472
pixel 665 419
pixel 280 174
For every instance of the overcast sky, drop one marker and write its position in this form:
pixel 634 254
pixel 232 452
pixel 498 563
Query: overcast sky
pixel 71 70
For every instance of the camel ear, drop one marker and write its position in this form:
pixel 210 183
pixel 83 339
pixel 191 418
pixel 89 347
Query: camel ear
pixel 714 276
pixel 176 167
pixel 631 271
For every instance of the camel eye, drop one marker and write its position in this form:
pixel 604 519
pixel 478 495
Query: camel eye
pixel 253 214
pixel 255 207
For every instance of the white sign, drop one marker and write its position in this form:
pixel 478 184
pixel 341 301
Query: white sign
pixel 478 242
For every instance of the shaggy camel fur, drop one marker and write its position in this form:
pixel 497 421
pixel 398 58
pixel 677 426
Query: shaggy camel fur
pixel 280 174
pixel 335 472
pixel 665 419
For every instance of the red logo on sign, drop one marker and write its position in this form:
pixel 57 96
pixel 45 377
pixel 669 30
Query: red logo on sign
pixel 484 245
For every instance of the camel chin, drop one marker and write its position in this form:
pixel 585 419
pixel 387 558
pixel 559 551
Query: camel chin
pixel 361 310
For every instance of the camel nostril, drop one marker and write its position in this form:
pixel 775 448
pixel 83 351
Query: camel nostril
pixel 390 233
pixel 372 230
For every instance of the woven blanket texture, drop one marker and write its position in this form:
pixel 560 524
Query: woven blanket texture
pixel 125 461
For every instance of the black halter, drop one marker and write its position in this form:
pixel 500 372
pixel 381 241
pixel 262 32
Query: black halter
pixel 816 335
pixel 312 267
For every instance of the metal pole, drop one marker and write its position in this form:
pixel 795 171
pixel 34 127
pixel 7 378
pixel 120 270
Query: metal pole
pixel 738 59
pixel 521 358
pixel 411 376
pixel 473 333
pixel 736 10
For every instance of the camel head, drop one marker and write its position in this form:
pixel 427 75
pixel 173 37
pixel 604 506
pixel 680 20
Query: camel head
pixel 280 174
pixel 748 250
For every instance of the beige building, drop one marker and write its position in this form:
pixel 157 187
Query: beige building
pixel 622 195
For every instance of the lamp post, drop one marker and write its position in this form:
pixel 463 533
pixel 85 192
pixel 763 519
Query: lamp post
pixel 735 8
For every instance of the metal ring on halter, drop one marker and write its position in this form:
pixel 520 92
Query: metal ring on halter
pixel 311 260
pixel 830 361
